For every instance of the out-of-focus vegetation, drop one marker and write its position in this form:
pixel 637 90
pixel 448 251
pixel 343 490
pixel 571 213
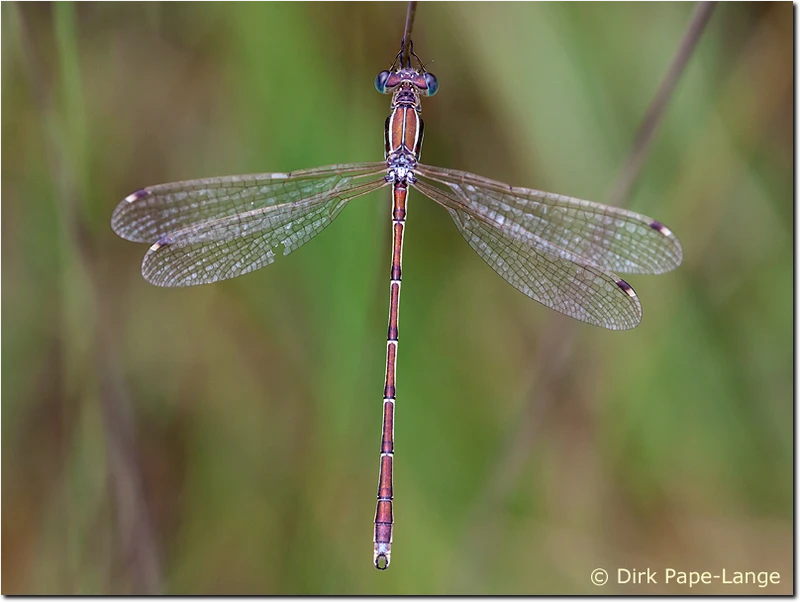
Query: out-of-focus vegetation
pixel 224 439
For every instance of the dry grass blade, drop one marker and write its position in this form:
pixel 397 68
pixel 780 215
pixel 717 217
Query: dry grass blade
pixel 412 10
pixel 134 528
pixel 655 112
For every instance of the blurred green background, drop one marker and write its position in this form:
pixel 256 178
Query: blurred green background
pixel 225 438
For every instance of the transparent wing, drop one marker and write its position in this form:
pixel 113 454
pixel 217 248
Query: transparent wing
pixel 155 211
pixel 218 228
pixel 556 278
pixel 608 237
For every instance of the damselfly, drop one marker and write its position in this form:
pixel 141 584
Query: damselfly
pixel 561 251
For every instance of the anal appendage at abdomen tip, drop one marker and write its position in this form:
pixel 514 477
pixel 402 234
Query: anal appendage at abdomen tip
pixel 382 555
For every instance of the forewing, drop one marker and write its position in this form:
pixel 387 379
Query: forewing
pixel 153 212
pixel 559 280
pixel 608 237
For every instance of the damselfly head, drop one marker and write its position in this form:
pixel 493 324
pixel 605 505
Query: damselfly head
pixel 425 84
pixel 402 76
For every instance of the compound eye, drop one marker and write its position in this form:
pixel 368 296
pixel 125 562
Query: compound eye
pixel 380 81
pixel 432 82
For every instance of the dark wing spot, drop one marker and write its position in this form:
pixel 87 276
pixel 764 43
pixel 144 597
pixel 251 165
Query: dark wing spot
pixel 139 194
pixel 626 287
pixel 655 225
pixel 164 241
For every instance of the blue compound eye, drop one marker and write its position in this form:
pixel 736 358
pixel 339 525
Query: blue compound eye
pixel 380 81
pixel 433 83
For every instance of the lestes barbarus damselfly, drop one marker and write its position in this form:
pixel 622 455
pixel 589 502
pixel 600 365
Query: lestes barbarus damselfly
pixel 558 250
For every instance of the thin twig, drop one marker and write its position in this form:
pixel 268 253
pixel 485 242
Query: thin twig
pixel 560 336
pixel 655 112
pixel 412 9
